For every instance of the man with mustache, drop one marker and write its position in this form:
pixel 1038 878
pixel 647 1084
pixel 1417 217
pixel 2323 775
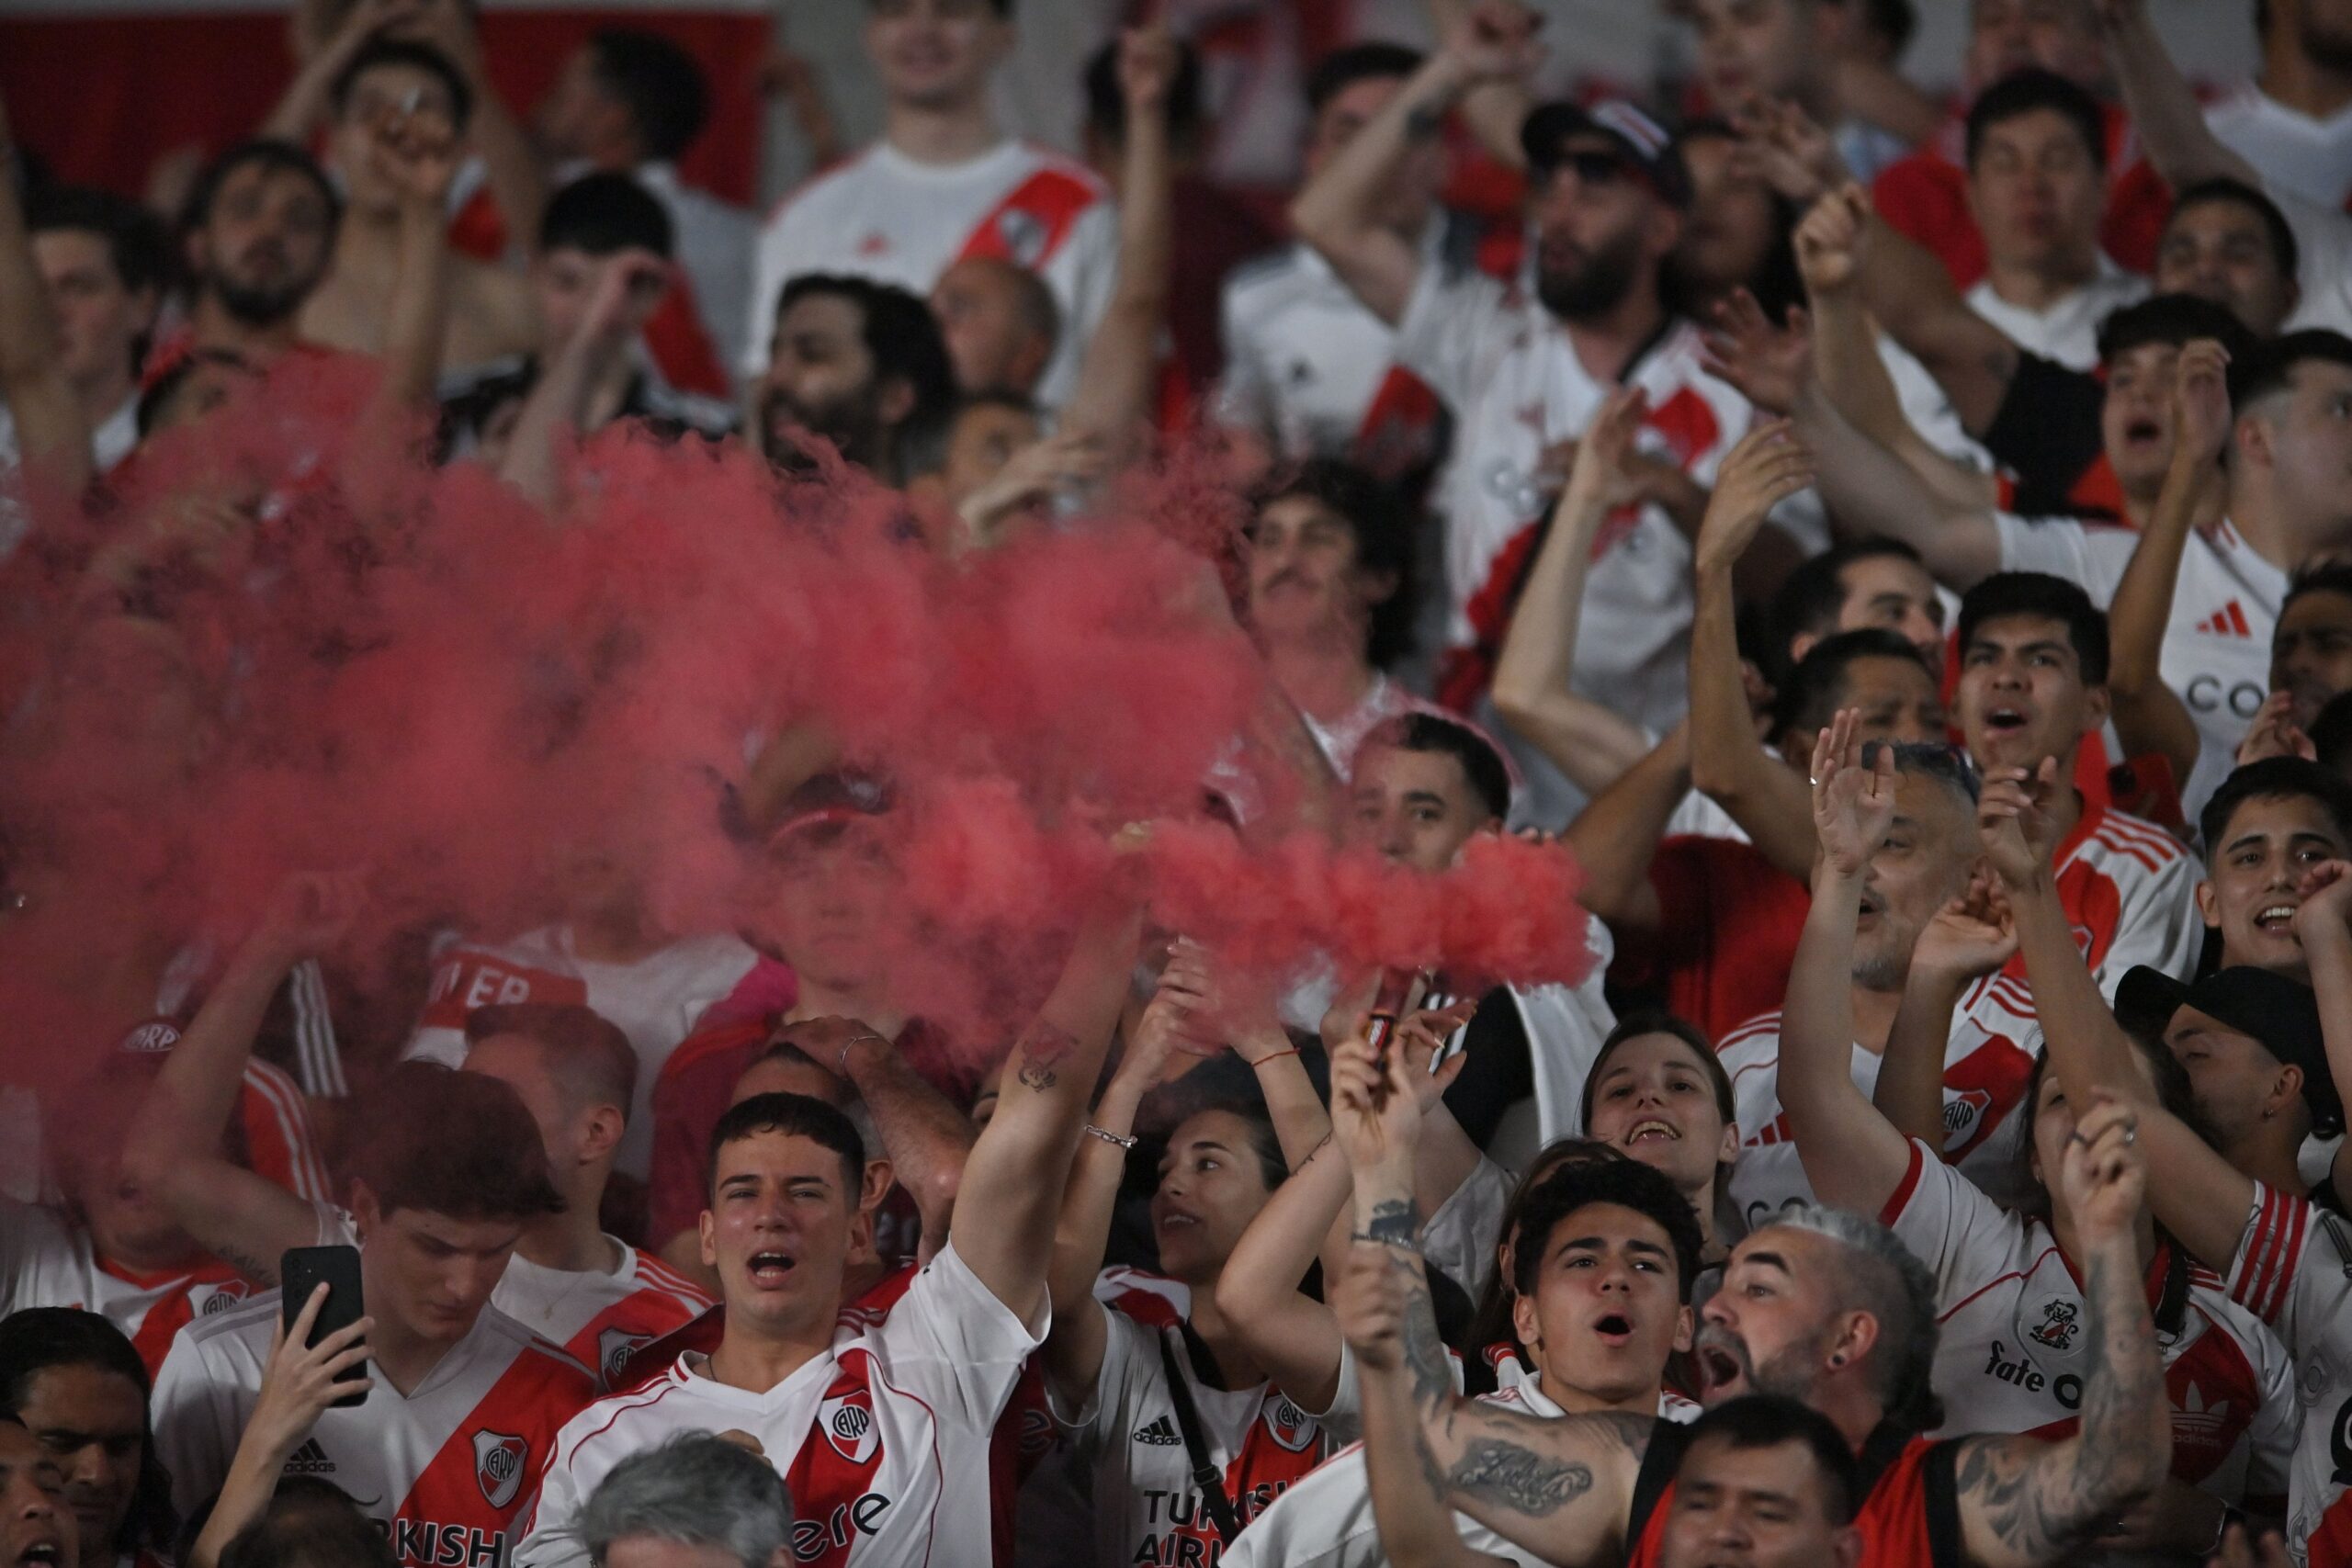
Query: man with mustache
pixel 260 228
pixel 1823 1306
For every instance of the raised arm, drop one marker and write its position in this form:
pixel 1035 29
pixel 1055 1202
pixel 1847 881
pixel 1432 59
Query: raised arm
pixel 174 1147
pixel 303 104
pixel 555 408
pixel 1113 393
pixel 518 182
pixel 2150 717
pixel 1417 1528
pixel 1591 744
pixel 1872 491
pixel 1616 836
pixel 926 1138
pixel 2023 1502
pixel 1339 212
pixel 1011 1193
pixel 1727 762
pixel 2203 1200
pixel 1967 939
pixel 1493 110
pixel 1560 1488
pixel 1853 1156
pixel 2165 115
pixel 52 431
pixel 419 150
pixel 2321 925
pixel 1908 290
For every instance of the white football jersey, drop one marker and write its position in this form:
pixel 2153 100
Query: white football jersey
pixel 46 1260
pixel 656 1001
pixel 1127 1440
pixel 2216 646
pixel 595 1316
pixel 2013 1347
pixel 2309 158
pixel 2322 260
pixel 2066 330
pixel 1325 1520
pixel 883 215
pixel 883 1440
pixel 1507 369
pixel 2293 1269
pixel 449 1469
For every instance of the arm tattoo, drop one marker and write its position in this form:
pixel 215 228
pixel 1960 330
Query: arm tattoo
pixel 1042 1050
pixel 2039 1508
pixel 251 1268
pixel 1399 1220
pixel 1518 1478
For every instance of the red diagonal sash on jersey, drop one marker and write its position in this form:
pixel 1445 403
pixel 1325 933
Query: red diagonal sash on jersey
pixel 471 977
pixel 674 337
pixel 1029 225
pixel 1283 1444
pixel 1399 432
pixel 2331 1543
pixel 471 1496
pixel 172 1312
pixel 831 1478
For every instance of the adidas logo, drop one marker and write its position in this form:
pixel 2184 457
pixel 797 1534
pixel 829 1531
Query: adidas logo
pixel 309 1459
pixel 2227 621
pixel 1158 1434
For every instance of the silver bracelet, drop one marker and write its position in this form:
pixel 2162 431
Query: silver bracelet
pixel 840 1064
pixel 1125 1143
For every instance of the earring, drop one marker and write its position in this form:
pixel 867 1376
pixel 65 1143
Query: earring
pixel 1836 1359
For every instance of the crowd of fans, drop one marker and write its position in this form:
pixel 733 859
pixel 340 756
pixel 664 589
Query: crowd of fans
pixel 1900 550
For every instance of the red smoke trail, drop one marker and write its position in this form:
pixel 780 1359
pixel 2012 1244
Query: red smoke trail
pixel 416 671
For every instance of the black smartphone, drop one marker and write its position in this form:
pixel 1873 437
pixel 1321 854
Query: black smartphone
pixel 304 1269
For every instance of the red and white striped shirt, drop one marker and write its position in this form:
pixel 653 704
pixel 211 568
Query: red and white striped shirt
pixel 2293 1270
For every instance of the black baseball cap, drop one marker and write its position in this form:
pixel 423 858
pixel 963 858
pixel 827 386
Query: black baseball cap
pixel 1644 144
pixel 2279 1014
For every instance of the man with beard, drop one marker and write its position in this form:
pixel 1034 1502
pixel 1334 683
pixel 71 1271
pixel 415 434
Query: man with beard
pixel 1607 194
pixel 854 363
pixel 1822 1306
pixel 260 228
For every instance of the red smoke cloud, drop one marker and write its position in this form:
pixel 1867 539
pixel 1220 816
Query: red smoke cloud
pixel 415 672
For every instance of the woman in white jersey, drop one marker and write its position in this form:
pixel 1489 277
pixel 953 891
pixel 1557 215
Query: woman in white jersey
pixel 1656 1092
pixel 1181 1434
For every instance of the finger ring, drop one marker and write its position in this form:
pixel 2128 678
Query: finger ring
pixel 2131 1136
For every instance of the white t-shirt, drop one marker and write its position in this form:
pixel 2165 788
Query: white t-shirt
pixel 1310 369
pixel 48 1261
pixel 2293 1269
pixel 883 1440
pixel 2323 261
pixel 656 1001
pixel 110 443
pixel 2312 158
pixel 2217 645
pixel 450 1469
pixel 2067 329
pixel 714 241
pixel 595 1316
pixel 1510 374
pixel 1325 1520
pixel 2014 1342
pixel 1126 1437
pixel 883 215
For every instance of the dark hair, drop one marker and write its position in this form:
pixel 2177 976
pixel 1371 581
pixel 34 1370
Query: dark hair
pixel 898 330
pixel 798 1116
pixel 1628 1184
pixel 1893 20
pixel 1947 764
pixel 270 155
pixel 1775 281
pixel 585 1052
pixel 1382 523
pixel 1264 1145
pixel 461 1145
pixel 1106 105
pixel 1810 694
pixel 310 1523
pixel 1490 1318
pixel 137 246
pixel 156 396
pixel 2323 577
pixel 657 82
pixel 382 50
pixel 1653 1020
pixel 2024 92
pixel 2037 593
pixel 1811 598
pixel 33 1340
pixel 2331 735
pixel 923 442
pixel 2286 255
pixel 603 214
pixel 2270 368
pixel 2173 1093
pixel 1342 68
pixel 1771 1420
pixel 1489 775
pixel 2279 778
pixel 2171 320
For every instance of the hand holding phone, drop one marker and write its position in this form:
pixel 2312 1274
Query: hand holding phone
pixel 326 1326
